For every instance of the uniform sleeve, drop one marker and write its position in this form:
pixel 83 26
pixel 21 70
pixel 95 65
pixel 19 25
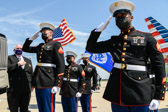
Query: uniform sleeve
pixel 158 66
pixel 81 77
pixel 94 78
pixel 60 64
pixel 28 48
pixel 97 47
pixel 12 66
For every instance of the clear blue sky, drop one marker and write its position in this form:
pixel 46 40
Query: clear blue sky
pixel 20 19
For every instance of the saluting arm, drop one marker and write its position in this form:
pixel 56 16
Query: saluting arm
pixel 28 48
pixel 97 47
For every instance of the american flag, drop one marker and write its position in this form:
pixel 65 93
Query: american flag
pixel 63 34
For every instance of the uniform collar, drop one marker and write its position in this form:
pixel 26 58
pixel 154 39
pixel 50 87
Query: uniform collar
pixel 87 64
pixel 126 32
pixel 72 64
pixel 49 41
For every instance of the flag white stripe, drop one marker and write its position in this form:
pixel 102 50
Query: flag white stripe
pixel 153 30
pixel 164 45
pixel 66 38
pixel 68 41
pixel 158 37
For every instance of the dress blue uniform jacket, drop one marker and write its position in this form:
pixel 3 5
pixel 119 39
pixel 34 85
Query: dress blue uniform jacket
pixel 131 87
pixel 50 52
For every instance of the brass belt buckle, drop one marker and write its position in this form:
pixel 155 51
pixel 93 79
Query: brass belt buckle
pixel 123 66
pixel 39 64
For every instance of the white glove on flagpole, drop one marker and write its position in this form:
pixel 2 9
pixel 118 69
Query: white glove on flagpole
pixel 34 36
pixel 154 104
pixel 55 89
pixel 102 26
pixel 78 94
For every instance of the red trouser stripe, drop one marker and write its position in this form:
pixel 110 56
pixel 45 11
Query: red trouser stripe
pixel 90 103
pixel 77 104
pixel 52 102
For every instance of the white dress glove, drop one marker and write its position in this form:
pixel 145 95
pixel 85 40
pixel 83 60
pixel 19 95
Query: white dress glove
pixel 55 90
pixel 102 26
pixel 34 36
pixel 154 104
pixel 92 90
pixel 78 94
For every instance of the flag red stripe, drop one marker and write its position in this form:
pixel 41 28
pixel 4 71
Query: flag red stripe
pixel 69 40
pixel 68 36
pixel 155 33
pixel 150 26
pixel 64 27
pixel 146 19
pixel 66 31
pixel 164 50
pixel 161 41
pixel 165 59
pixel 64 37
pixel 63 24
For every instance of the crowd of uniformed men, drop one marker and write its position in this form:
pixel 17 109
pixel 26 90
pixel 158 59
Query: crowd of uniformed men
pixel 129 89
pixel 74 80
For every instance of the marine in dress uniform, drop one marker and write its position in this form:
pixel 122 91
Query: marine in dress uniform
pixel 90 73
pixel 20 72
pixel 50 68
pixel 129 88
pixel 73 83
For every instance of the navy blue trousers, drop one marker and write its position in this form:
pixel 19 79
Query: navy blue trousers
pixel 86 100
pixel 45 100
pixel 153 110
pixel 69 104
pixel 118 108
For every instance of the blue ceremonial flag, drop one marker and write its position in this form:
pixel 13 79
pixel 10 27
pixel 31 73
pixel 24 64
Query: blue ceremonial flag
pixel 103 60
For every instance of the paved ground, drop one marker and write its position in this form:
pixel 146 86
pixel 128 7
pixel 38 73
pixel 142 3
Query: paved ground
pixel 98 103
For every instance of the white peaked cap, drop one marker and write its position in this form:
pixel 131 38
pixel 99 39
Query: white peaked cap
pixel 47 26
pixel 70 53
pixel 85 55
pixel 121 5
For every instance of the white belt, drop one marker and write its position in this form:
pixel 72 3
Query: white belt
pixel 130 67
pixel 46 64
pixel 71 80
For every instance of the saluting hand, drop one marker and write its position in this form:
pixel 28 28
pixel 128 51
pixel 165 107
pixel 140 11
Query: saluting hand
pixel 103 26
pixel 34 36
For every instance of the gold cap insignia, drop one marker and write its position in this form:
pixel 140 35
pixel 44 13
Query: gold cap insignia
pixel 116 4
